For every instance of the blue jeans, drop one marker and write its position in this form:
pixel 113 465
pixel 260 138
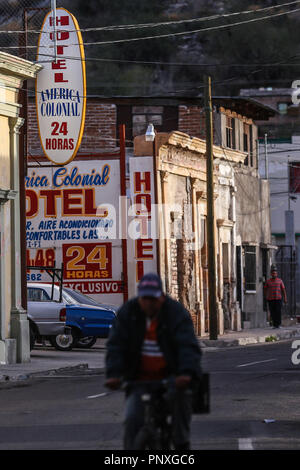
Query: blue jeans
pixel 181 410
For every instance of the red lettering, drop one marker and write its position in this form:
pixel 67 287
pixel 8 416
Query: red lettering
pixel 59 64
pixel 143 245
pixel 60 50
pixel 139 270
pixel 62 21
pixel 59 78
pixel 89 202
pixel 32 199
pixel 69 201
pixel 60 36
pixel 55 126
pixel 145 201
pixel 50 196
pixel 59 144
pixel 146 182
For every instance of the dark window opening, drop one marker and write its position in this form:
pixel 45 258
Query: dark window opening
pixel 294 177
pixel 250 268
pixel 230 132
pixel 248 144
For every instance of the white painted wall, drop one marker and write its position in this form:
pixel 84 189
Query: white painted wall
pixel 279 155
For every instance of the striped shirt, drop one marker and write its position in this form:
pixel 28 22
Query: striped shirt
pixel 153 364
pixel 274 288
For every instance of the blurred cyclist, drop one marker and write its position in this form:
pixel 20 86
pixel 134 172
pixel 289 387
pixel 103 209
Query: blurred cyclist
pixel 153 338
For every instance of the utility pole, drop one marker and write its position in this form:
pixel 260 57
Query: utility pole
pixel 213 315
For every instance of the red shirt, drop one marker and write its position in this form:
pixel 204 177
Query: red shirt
pixel 274 288
pixel 153 364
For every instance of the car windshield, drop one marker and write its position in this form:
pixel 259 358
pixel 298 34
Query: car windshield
pixel 79 297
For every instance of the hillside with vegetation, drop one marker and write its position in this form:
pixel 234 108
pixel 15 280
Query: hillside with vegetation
pixel 256 54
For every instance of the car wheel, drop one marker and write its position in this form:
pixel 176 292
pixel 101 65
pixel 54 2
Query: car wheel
pixel 62 342
pixel 86 342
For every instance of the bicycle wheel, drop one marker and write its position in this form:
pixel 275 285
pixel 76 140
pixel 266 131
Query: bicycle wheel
pixel 144 440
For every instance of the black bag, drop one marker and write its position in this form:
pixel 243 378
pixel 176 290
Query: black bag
pixel 201 396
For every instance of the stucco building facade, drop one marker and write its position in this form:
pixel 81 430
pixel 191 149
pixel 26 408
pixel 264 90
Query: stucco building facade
pixel 14 332
pixel 242 228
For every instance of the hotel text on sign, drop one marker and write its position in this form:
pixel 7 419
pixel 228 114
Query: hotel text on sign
pixel 61 87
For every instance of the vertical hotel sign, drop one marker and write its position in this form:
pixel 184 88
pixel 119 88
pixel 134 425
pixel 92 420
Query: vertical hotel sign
pixel 60 87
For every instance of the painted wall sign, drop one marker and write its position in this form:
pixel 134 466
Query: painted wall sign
pixel 65 224
pixel 142 236
pixel 61 87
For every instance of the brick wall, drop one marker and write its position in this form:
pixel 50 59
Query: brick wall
pixel 99 130
pixel 100 127
pixel 33 140
pixel 191 121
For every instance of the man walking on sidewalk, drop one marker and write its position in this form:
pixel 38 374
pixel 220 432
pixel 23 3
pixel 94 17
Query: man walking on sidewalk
pixel 274 290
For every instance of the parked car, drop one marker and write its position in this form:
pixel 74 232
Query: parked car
pixel 86 319
pixel 46 318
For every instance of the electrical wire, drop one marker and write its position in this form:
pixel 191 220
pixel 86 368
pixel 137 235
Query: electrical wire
pixel 171 64
pixel 161 36
pixel 159 24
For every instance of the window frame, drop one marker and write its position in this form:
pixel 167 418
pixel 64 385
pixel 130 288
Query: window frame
pixel 250 250
pixel 230 132
pixel 294 167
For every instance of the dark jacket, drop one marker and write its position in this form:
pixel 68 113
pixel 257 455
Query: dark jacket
pixel 175 336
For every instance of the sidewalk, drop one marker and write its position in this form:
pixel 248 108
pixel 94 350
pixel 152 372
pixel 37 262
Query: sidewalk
pixel 252 336
pixel 48 361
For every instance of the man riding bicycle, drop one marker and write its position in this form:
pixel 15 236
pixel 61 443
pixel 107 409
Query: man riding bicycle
pixel 153 338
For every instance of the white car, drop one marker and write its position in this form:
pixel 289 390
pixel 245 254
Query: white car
pixel 62 340
pixel 46 317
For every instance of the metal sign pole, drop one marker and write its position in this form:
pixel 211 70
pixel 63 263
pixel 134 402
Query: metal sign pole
pixel 53 8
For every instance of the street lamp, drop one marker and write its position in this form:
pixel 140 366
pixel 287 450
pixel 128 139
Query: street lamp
pixel 150 133
pixel 150 137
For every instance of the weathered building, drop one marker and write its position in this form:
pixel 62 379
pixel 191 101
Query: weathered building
pixel 14 332
pixel 280 163
pixel 181 180
pixel 240 237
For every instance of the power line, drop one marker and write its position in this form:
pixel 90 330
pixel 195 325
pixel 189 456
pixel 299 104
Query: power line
pixel 184 33
pixel 165 23
pixel 171 64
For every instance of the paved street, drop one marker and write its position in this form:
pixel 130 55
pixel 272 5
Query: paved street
pixel 71 410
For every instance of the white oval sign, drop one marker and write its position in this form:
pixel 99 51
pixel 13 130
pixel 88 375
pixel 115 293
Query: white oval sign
pixel 61 87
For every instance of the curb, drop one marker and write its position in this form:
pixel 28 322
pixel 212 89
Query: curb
pixel 244 341
pixel 19 377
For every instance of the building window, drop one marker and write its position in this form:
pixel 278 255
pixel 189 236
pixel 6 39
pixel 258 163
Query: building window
pixel 144 115
pixel 294 177
pixel 282 107
pixel 136 119
pixel 248 146
pixel 250 268
pixel 230 132
pixel 225 261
